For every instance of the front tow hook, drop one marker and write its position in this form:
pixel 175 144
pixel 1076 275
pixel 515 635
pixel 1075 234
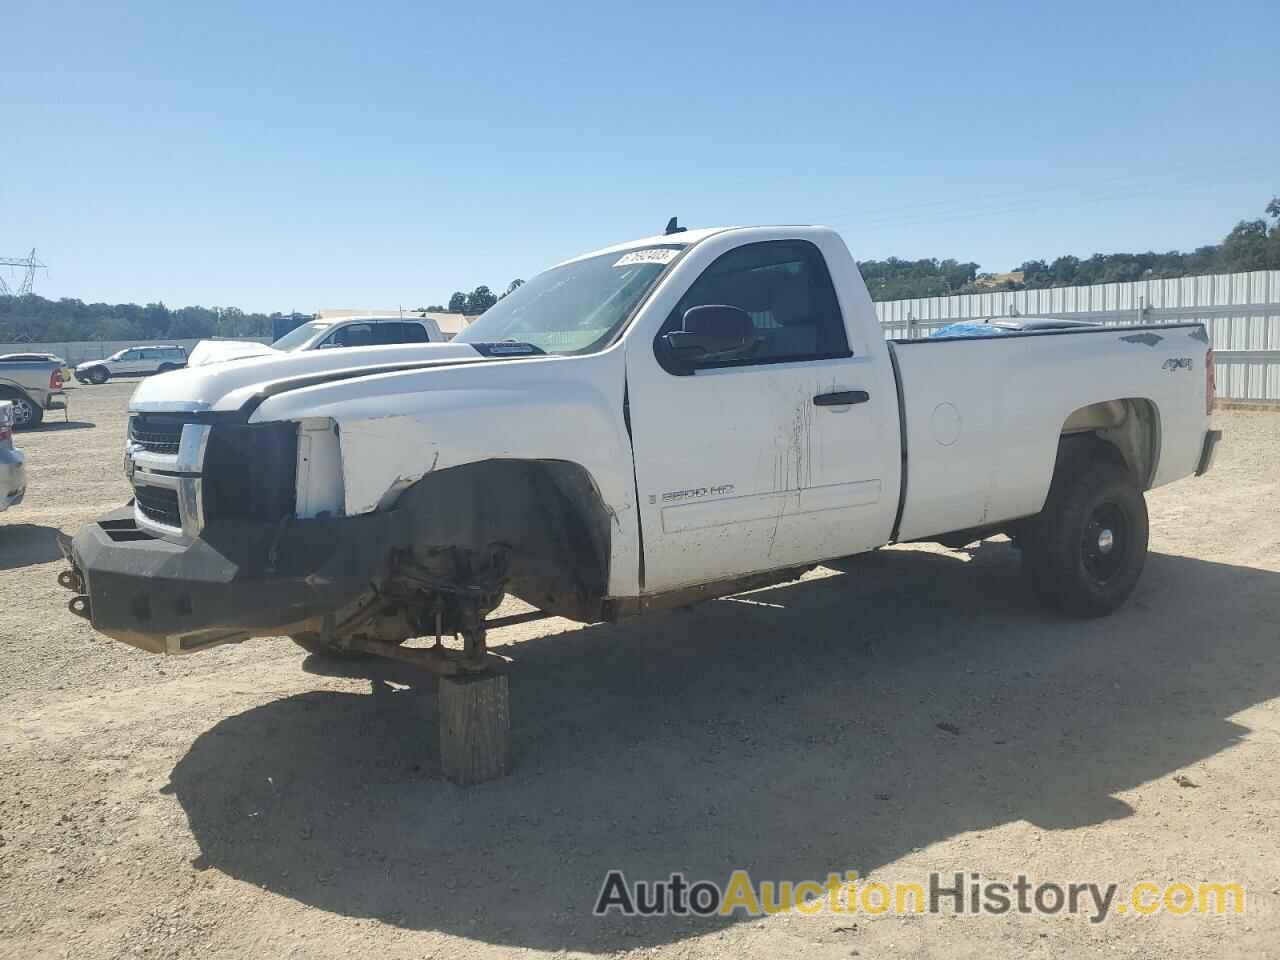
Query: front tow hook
pixel 73 580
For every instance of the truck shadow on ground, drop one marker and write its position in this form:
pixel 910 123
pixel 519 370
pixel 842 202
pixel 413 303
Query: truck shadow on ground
pixel 57 426
pixel 791 732
pixel 27 544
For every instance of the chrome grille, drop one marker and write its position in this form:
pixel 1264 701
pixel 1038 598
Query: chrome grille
pixel 156 434
pixel 159 505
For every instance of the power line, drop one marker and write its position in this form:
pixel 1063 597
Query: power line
pixel 30 264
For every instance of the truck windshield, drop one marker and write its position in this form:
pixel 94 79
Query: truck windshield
pixel 299 335
pixel 575 308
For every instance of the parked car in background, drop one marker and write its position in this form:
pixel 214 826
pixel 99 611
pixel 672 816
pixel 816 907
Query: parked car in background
pixel 364 331
pixel 132 362
pixel 33 387
pixel 13 471
pixel 67 372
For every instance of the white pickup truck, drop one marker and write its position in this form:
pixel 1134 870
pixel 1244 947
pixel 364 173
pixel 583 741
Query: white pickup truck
pixel 676 418
pixel 363 330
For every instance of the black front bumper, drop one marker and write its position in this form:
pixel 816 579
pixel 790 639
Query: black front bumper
pixel 238 580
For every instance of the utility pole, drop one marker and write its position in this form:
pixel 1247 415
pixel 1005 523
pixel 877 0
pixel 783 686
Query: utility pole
pixel 30 264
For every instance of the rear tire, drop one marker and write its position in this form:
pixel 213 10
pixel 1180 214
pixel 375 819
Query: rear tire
pixel 1084 552
pixel 26 412
pixel 166 367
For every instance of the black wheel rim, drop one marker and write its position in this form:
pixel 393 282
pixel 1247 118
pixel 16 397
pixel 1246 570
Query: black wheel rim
pixel 1104 542
pixel 22 412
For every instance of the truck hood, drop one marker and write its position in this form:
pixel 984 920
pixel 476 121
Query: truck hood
pixel 215 351
pixel 228 385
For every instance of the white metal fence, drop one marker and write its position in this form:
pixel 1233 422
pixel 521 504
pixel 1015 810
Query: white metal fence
pixel 1241 312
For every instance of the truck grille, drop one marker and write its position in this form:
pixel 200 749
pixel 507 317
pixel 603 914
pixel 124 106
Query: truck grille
pixel 159 505
pixel 250 471
pixel 156 434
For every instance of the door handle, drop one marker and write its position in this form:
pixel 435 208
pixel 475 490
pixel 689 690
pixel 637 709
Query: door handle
pixel 841 398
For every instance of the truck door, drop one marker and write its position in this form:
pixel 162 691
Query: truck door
pixel 776 458
pixel 130 363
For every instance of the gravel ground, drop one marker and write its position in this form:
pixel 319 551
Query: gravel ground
pixel 908 711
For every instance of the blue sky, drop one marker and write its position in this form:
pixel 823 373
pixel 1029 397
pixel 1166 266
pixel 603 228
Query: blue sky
pixel 318 154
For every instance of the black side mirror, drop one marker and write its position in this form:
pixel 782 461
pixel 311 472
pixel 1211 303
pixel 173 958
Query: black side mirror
pixel 708 333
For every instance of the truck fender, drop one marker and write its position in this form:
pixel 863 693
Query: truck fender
pixel 547 517
pixel 1125 430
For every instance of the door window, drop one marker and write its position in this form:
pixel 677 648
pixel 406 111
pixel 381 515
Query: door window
pixel 404 333
pixel 352 335
pixel 785 288
pixel 398 332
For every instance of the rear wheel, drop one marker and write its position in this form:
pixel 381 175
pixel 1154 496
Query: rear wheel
pixel 166 367
pixel 26 413
pixel 1084 552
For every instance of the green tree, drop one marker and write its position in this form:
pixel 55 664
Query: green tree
pixel 156 320
pixel 189 323
pixel 33 318
pixel 458 302
pixel 1246 248
pixel 479 300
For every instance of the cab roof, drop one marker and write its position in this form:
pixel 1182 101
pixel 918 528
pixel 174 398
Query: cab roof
pixel 684 238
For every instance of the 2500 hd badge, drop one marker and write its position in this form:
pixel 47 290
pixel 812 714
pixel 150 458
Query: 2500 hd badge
pixel 693 493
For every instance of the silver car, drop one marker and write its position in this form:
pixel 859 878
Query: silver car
pixel 132 362
pixel 13 471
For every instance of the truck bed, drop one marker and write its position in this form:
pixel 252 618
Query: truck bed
pixel 981 417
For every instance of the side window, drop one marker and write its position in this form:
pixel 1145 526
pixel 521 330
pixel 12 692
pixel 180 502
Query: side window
pixel 132 355
pixel 412 333
pixel 353 335
pixel 148 354
pixel 395 331
pixel 785 287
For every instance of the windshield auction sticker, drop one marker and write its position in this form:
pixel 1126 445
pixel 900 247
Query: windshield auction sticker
pixel 652 255
pixel 945 894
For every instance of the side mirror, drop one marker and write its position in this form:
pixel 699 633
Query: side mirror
pixel 708 333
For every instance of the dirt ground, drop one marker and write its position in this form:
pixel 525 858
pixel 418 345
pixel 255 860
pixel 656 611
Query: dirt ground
pixel 252 802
